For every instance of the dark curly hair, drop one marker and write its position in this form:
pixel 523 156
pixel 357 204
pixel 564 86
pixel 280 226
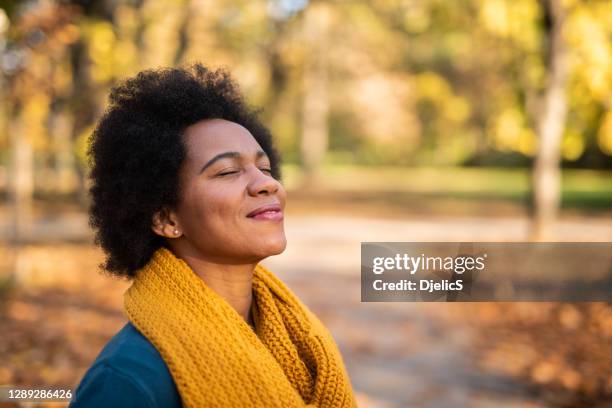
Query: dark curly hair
pixel 137 150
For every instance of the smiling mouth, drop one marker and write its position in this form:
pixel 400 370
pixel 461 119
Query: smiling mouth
pixel 270 212
pixel 268 215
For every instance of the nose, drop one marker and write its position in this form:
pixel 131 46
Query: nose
pixel 262 183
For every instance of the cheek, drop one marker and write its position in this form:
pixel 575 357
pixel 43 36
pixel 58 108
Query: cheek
pixel 211 209
pixel 282 194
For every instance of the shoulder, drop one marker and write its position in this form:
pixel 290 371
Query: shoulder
pixel 128 372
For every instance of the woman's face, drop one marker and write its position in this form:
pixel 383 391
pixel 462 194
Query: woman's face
pixel 231 208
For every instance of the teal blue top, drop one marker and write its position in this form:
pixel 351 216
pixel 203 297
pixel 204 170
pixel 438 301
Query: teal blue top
pixel 128 372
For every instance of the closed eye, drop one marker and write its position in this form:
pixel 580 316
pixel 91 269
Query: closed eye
pixel 230 172
pixel 227 173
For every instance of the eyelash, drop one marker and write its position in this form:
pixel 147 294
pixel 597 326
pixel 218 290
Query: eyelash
pixel 227 173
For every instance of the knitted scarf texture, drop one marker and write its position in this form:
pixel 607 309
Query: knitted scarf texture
pixel 217 360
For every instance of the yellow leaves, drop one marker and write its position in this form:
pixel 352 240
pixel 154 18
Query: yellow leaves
pixel 161 38
pixel 254 14
pixel 435 88
pixel 126 55
pixel 35 112
pixel 112 56
pixel 570 317
pixel 4 22
pixel 370 28
pixel 457 109
pixel 81 145
pixel 572 146
pixel 510 342
pixel 101 39
pixel 570 379
pixel 591 51
pixel 524 17
pixel 126 19
pixel 604 135
pixel 417 18
pixel 441 113
pixel 459 46
pixel 510 133
pixel 62 77
pixel 61 304
pixel 527 142
pixel 515 19
pixel 494 16
pixel 587 33
pixel 544 372
pixel 431 85
pixel 534 71
pixel 364 35
pixel 569 3
pixel 547 372
pixel 507 128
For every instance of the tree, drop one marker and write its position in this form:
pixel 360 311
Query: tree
pixel 550 124
pixel 315 133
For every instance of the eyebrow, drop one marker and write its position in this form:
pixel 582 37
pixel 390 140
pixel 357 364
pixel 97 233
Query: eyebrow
pixel 232 155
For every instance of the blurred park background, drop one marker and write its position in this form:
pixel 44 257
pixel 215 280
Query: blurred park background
pixel 398 120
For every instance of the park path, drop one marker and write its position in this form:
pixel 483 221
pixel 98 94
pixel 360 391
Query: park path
pixel 403 354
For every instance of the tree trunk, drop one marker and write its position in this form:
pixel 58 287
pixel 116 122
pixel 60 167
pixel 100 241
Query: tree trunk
pixel 315 110
pixel 65 166
pixel 549 126
pixel 22 180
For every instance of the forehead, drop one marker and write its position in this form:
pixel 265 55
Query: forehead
pixel 210 137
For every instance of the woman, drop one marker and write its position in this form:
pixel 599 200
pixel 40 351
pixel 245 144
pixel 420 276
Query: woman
pixel 186 201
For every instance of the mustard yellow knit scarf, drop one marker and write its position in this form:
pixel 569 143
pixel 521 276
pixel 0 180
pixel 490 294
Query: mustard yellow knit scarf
pixel 215 357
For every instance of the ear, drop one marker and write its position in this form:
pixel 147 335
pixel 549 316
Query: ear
pixel 164 223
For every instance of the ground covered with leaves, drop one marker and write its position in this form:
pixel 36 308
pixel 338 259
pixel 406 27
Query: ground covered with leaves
pixel 56 317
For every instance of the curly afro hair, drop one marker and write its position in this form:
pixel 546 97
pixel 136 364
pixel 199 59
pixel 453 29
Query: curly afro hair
pixel 137 150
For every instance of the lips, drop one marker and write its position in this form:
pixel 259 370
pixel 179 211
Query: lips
pixel 267 212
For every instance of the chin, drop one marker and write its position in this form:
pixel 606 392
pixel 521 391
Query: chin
pixel 273 247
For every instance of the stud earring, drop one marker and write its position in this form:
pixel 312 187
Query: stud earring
pixel 176 232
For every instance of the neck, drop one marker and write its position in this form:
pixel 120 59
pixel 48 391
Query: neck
pixel 234 283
